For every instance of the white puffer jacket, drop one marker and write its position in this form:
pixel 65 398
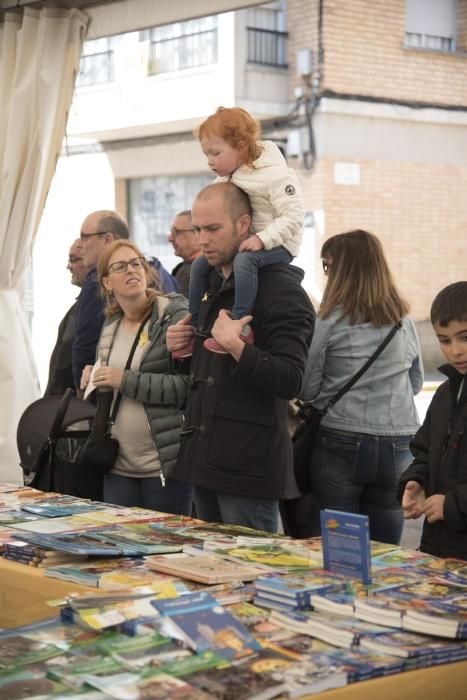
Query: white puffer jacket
pixel 276 198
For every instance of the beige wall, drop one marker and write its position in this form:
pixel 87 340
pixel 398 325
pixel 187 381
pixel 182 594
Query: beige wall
pixel 419 210
pixel 364 54
pixel 413 163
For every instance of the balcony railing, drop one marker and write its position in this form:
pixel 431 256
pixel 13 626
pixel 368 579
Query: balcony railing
pixel 183 51
pixel 267 47
pixel 96 68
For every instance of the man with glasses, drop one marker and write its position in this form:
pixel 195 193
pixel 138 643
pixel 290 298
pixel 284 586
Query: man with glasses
pixel 185 244
pixel 98 230
pixel 60 369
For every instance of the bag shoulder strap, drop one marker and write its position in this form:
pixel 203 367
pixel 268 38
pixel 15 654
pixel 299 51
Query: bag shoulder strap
pixel 127 366
pixel 364 368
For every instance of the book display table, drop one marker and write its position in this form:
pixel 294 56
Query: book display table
pixel 24 592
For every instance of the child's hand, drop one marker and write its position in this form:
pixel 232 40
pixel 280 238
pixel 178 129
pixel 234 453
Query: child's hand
pixel 413 500
pixel 434 508
pixel 251 243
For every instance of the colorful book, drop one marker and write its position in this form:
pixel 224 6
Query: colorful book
pixel 198 620
pixel 295 590
pixel 346 544
pixel 442 619
pixel 268 674
pixel 74 543
pixel 161 686
pixel 362 665
pixel 408 644
pixel 272 557
pixel 205 568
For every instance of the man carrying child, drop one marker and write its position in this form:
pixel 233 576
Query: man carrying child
pixel 235 447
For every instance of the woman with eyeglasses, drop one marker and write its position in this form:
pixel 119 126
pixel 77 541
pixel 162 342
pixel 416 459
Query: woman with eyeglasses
pixel 149 417
pixel 362 446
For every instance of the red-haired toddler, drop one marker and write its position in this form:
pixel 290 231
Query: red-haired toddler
pixel 229 139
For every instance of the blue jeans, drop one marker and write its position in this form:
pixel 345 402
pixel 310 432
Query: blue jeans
pixel 175 497
pixel 216 507
pixel 245 267
pixel 359 473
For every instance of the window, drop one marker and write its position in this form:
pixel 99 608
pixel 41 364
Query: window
pixel 97 63
pixel 182 45
pixel 431 24
pixel 266 35
pixel 153 203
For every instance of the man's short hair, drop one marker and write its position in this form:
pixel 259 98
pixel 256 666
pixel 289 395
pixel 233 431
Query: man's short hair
pixel 111 222
pixel 450 304
pixel 236 201
pixel 185 212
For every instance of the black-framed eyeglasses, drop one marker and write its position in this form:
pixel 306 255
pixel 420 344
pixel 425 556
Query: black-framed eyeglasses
pixel 83 235
pixel 122 265
pixel 326 265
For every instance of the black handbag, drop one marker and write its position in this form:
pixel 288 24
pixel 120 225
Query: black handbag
pixel 101 449
pixel 310 419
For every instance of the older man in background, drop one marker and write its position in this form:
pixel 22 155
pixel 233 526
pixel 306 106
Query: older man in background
pixel 98 230
pixel 185 244
pixel 60 368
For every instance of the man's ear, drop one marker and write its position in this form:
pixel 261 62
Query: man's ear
pixel 243 226
pixel 109 237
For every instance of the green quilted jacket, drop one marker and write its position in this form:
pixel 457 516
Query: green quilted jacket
pixel 162 390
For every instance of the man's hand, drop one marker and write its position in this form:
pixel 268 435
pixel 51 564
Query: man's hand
pixel 85 377
pixel 180 334
pixel 413 500
pixel 227 331
pixel 251 243
pixel 434 508
pixel 108 376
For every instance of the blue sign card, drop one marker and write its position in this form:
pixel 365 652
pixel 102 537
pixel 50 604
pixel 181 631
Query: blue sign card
pixel 346 544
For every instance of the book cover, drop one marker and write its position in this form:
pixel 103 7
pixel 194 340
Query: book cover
pixel 20 650
pixel 362 665
pixel 205 568
pixel 346 544
pixel 295 588
pixel 273 557
pixel 127 686
pixel 203 624
pixel 140 538
pixel 74 543
pixel 29 683
pixel 138 652
pixel 268 674
pixel 252 679
pixel 91 573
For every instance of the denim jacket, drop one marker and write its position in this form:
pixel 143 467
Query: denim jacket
pixel 382 400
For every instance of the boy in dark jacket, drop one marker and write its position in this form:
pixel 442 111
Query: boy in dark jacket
pixel 435 484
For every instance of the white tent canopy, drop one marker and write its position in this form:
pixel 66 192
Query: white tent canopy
pixel 110 17
pixel 40 45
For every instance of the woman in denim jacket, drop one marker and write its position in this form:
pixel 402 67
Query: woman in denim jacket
pixel 362 447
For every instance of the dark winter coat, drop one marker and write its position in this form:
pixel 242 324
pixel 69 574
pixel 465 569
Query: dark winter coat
pixel 235 439
pixel 440 466
pixel 60 368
